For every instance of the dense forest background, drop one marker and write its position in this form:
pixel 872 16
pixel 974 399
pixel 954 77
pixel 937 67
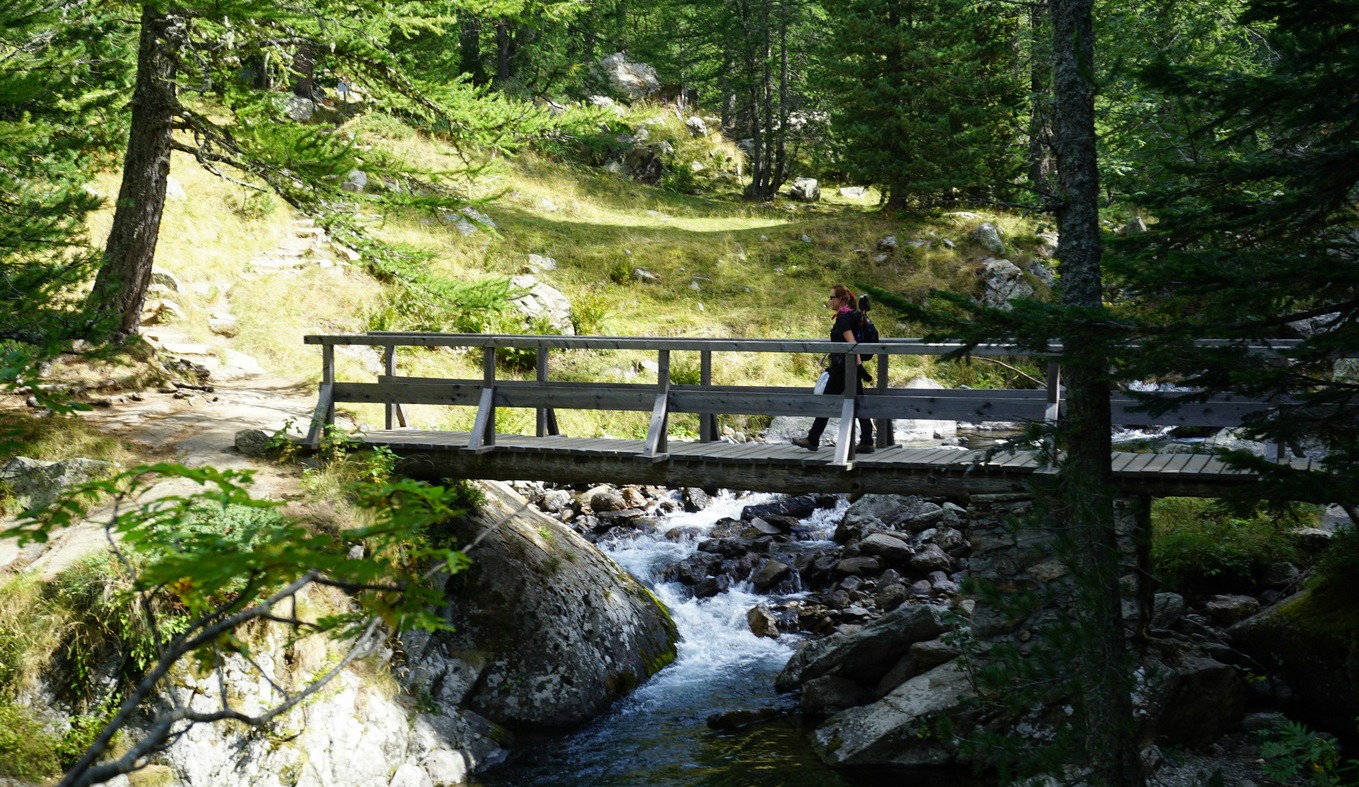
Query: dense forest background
pixel 1230 129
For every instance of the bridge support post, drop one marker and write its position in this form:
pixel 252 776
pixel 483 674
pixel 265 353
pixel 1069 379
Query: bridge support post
pixel 395 414
pixel 844 441
pixel 886 435
pixel 483 428
pixel 657 445
pixel 707 424
pixel 324 414
pixel 546 416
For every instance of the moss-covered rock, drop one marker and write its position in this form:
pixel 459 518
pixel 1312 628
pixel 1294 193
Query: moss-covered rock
pixel 564 630
pixel 1312 641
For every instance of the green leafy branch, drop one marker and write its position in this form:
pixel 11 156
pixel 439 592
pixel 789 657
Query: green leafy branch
pixel 247 570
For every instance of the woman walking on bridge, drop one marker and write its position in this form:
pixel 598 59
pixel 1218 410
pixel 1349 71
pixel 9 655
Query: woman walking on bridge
pixel 842 302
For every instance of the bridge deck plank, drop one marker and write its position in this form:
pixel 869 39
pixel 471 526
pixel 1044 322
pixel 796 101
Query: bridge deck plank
pixel 886 469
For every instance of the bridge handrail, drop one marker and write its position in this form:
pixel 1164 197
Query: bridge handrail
pixel 709 400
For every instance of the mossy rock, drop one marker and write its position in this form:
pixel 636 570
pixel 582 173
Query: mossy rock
pixel 1312 641
pixel 565 631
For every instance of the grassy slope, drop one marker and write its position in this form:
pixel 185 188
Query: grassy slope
pixel 727 268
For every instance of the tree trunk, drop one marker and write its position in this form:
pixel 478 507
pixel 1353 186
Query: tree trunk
pixel 469 50
pixel 1086 496
pixel 504 50
pixel 1040 109
pixel 120 287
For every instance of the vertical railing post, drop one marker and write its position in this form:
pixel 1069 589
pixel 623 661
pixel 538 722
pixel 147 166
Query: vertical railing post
pixel 328 382
pixel 547 416
pixel 389 367
pixel 483 428
pixel 657 442
pixel 886 432
pixel 1053 411
pixel 707 427
pixel 844 443
pixel 323 417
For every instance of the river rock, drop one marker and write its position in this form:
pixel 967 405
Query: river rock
pixel 893 550
pixel 886 512
pixel 1227 609
pixel 1318 661
pixel 563 630
pixel 770 574
pixel 1193 699
pixel 898 730
pixel 831 694
pixel 762 622
pixel 864 655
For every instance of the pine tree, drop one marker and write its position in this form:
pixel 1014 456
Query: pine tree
pixel 56 79
pixel 923 96
pixel 190 57
pixel 1256 239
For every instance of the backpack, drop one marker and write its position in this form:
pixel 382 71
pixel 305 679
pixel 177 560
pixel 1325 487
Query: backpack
pixel 865 330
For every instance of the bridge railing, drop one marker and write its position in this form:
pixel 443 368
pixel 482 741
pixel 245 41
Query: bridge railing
pixel 662 398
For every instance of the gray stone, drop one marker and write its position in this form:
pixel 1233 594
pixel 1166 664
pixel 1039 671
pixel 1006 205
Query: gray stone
pixel 853 192
pixel 770 574
pixel 33 483
pixel 174 190
pixel 253 442
pixel 889 548
pixel 355 182
pixel 540 302
pixel 299 109
pixel 224 324
pixel 805 190
pixel 1196 700
pixel 762 622
pixel 628 79
pixel 864 565
pixel 539 262
pixel 564 630
pixel 864 655
pixel 988 237
pixel 1002 282
pixel 1229 609
pixel 830 694
pixel 645 276
pixel 163 278
pixel 697 127
pixel 931 558
pixel 1166 609
pixel 897 730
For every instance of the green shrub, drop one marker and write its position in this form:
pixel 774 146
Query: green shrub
pixel 1199 546
pixel 28 751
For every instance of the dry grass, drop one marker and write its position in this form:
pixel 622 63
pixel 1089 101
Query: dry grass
pixel 727 267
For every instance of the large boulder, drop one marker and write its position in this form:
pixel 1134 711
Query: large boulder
pixel 32 483
pixel 1310 641
pixel 805 190
pixel 865 655
pixel 628 79
pixel 540 301
pixel 899 730
pixel 562 630
pixel 1002 282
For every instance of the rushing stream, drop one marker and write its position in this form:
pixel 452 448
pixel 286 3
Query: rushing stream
pixel 659 734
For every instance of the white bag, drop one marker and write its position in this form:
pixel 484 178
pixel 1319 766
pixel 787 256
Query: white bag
pixel 821 381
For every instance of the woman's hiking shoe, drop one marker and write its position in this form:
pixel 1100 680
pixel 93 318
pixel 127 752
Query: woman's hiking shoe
pixel 863 448
pixel 806 442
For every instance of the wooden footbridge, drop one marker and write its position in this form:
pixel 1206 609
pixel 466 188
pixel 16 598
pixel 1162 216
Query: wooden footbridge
pixel 710 462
